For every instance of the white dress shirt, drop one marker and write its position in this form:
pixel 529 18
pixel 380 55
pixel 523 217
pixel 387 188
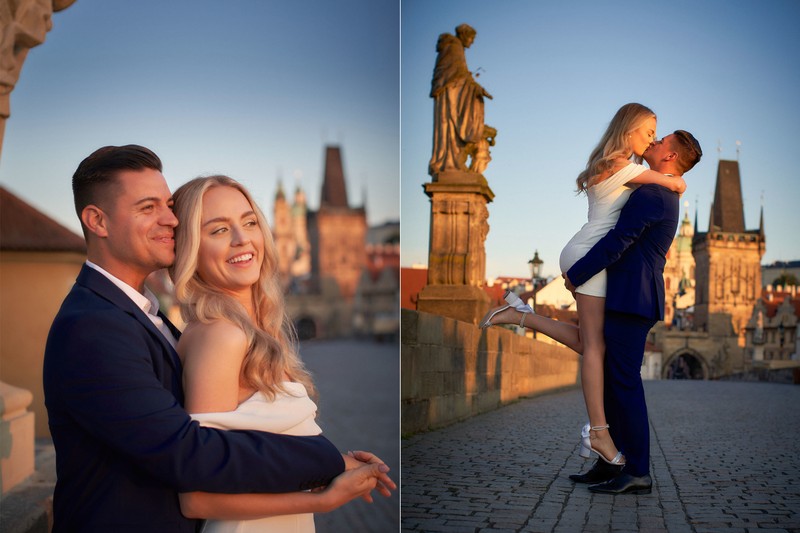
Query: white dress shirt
pixel 147 302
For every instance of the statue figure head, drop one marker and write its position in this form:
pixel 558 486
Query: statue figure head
pixel 466 34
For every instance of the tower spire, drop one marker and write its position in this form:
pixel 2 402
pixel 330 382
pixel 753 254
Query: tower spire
pixel 334 193
pixel 728 203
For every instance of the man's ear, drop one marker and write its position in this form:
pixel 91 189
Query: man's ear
pixel 95 220
pixel 672 156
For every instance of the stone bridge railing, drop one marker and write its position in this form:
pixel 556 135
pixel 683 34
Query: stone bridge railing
pixel 452 370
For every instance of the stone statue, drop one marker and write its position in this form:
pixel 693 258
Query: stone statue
pixel 23 25
pixel 458 128
pixel 758 335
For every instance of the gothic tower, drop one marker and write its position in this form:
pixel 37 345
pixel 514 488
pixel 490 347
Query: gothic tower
pixel 283 234
pixel 301 267
pixel 337 232
pixel 728 260
pixel 679 273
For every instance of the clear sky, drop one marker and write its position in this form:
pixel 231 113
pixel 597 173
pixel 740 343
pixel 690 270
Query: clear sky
pixel 249 88
pixel 726 70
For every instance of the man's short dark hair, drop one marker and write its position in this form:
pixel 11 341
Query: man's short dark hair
pixel 95 179
pixel 688 149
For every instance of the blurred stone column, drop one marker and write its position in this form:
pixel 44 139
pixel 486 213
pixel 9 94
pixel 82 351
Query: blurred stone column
pixel 16 436
pixel 23 25
pixel 456 257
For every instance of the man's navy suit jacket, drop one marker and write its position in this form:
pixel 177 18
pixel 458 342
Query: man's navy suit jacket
pixel 124 444
pixel 634 253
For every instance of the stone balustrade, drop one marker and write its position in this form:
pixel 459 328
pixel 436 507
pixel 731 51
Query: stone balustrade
pixel 452 370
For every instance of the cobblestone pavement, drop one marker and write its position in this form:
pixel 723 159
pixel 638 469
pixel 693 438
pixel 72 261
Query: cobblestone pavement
pixel 359 409
pixel 725 457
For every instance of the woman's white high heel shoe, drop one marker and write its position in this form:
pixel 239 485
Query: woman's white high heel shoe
pixel 487 319
pixel 513 301
pixel 587 449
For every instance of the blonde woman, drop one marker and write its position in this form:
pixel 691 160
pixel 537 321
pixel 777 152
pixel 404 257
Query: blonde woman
pixel 241 366
pixel 614 168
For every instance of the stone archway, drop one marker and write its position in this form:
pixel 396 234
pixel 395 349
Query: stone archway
pixel 685 364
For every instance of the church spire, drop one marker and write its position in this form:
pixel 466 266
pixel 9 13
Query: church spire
pixel 279 194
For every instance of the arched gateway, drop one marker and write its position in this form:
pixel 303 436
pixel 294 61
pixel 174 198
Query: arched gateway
pixel 685 364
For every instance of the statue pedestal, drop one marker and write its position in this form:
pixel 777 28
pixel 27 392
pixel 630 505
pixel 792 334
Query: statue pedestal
pixel 456 257
pixel 461 302
pixel 16 436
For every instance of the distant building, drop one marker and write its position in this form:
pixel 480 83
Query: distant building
pixel 728 259
pixel 412 280
pixel 773 271
pixel 39 261
pixel 337 232
pixel 710 338
pixel 335 280
pixel 290 233
pixel 771 332
pixel 679 278
pixel 377 301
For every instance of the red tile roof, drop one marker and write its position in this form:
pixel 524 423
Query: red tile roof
pixel 26 229
pixel 412 280
pixel 777 300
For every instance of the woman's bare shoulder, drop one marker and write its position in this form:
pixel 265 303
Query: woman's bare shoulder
pixel 217 335
pixel 616 165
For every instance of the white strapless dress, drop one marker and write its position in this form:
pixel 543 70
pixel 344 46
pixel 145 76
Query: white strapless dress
pixel 605 202
pixel 290 414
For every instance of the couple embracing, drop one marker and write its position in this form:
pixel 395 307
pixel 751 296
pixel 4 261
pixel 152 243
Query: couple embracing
pixel 121 381
pixel 614 266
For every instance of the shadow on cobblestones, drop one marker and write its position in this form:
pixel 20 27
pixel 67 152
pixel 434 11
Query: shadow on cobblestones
pixel 725 456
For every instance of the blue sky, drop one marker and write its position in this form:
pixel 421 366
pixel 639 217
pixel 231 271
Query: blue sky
pixel 247 88
pixel 726 70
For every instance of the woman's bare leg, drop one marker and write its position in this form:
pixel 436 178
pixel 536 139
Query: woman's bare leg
pixel 591 311
pixel 567 334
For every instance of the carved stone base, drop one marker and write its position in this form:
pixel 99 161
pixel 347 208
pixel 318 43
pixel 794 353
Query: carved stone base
pixel 461 302
pixel 16 436
pixel 456 255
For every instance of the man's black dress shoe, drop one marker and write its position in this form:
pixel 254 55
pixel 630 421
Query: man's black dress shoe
pixel 625 484
pixel 600 472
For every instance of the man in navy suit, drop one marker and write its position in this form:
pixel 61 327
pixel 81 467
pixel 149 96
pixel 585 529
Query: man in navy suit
pixel 633 254
pixel 113 388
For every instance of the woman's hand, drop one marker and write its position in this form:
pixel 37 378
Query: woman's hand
pixel 678 184
pixel 351 484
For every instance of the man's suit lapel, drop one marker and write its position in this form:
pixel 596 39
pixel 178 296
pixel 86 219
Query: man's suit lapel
pixel 102 286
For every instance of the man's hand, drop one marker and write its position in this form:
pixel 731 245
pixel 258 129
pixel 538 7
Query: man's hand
pixel 568 284
pixel 351 484
pixel 358 459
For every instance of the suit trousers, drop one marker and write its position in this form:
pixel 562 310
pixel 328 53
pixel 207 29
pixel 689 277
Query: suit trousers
pixel 626 410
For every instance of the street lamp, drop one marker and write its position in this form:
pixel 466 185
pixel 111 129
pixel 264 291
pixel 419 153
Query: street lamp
pixel 535 265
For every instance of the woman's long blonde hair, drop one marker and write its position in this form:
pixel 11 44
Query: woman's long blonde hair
pixel 272 341
pixel 614 143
